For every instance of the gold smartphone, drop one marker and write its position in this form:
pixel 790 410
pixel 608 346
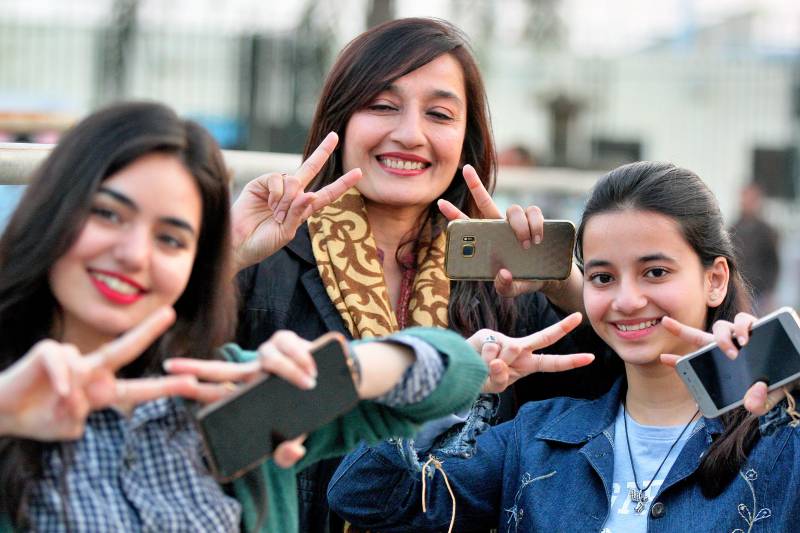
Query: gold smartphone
pixel 477 249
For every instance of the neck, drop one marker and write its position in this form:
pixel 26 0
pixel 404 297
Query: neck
pixel 391 225
pixel 656 396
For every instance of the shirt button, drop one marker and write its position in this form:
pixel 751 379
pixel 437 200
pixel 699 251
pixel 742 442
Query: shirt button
pixel 658 510
pixel 128 460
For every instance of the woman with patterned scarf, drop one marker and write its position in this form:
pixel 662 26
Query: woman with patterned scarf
pixel 408 102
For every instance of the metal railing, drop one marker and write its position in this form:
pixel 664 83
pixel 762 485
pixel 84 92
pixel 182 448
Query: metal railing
pixel 18 160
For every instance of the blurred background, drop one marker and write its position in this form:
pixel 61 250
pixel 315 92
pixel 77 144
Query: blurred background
pixel 576 87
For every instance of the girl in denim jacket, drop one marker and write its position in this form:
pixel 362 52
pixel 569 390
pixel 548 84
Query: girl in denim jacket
pixel 659 272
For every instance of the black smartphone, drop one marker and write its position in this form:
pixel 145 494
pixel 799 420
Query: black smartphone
pixel 771 355
pixel 242 430
pixel 477 249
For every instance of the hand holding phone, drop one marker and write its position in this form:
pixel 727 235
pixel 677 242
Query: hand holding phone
pixel 242 430
pixel 771 355
pixel 478 249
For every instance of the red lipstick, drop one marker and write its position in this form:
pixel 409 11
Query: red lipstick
pixel 112 294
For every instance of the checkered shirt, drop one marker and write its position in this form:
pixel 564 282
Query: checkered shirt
pixel 142 473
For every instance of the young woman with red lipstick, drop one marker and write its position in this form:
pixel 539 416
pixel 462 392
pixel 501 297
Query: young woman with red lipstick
pixel 640 458
pixel 408 103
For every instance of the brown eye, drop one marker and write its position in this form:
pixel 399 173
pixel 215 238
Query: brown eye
pixel 600 279
pixel 657 272
pixel 171 241
pixel 106 214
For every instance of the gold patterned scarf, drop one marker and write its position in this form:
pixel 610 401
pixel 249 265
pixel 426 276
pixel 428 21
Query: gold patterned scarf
pixel 351 270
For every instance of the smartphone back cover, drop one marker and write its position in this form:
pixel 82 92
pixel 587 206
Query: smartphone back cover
pixel 493 245
pixel 241 432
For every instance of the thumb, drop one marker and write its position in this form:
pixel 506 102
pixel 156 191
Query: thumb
pixel 669 359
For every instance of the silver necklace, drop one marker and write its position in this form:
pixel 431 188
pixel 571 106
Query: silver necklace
pixel 638 495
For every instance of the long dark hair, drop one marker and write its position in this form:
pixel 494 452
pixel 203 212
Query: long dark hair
pixel 368 65
pixel 49 219
pixel 682 196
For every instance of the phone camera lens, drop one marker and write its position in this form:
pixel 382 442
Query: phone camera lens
pixel 468 250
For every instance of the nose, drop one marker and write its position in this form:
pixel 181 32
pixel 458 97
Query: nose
pixel 409 129
pixel 629 298
pixel 134 248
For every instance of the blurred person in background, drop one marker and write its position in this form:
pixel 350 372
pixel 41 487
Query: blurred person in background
pixel 516 155
pixel 408 102
pixel 756 245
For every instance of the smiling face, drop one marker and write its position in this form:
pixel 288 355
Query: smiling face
pixel 408 139
pixel 638 269
pixel 135 251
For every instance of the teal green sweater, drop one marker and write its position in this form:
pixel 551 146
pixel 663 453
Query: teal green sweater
pixel 368 421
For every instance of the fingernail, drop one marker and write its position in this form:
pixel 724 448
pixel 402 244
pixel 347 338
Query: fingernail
pixel 526 244
pixel 167 365
pixel 310 382
pixel 279 216
pixel 742 340
pixel 537 239
pixel 732 353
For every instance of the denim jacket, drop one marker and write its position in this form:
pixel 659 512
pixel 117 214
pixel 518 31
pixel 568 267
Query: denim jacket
pixel 551 469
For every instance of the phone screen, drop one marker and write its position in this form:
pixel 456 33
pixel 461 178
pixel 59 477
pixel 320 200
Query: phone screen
pixel 769 356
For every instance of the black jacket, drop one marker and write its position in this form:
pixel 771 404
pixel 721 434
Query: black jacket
pixel 285 291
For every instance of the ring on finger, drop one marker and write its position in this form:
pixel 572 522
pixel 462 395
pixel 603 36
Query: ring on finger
pixel 490 339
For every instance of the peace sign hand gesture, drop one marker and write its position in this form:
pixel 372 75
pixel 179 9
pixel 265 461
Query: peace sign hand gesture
pixel 510 358
pixel 49 392
pixel 271 207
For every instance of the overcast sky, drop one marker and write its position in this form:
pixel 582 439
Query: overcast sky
pixel 602 27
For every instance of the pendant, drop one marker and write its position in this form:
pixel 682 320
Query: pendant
pixel 639 498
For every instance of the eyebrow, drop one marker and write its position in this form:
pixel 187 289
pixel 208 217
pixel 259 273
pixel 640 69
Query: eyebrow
pixel 121 198
pixel 595 263
pixel 436 93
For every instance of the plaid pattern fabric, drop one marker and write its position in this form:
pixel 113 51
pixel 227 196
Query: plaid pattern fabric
pixel 142 473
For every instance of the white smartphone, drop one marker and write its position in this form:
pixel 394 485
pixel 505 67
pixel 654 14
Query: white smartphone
pixel 772 355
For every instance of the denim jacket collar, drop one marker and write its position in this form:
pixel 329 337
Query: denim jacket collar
pixel 585 420
pixel 588 419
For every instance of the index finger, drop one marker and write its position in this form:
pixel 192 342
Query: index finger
pixel 562 363
pixel 551 334
pixel 312 166
pixel 140 390
pixel 129 346
pixel 695 336
pixel 479 193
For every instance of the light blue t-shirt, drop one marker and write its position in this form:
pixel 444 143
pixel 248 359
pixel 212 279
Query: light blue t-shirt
pixel 649 445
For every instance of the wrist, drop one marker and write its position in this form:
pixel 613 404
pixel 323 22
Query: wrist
pixel 552 289
pixel 354 364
